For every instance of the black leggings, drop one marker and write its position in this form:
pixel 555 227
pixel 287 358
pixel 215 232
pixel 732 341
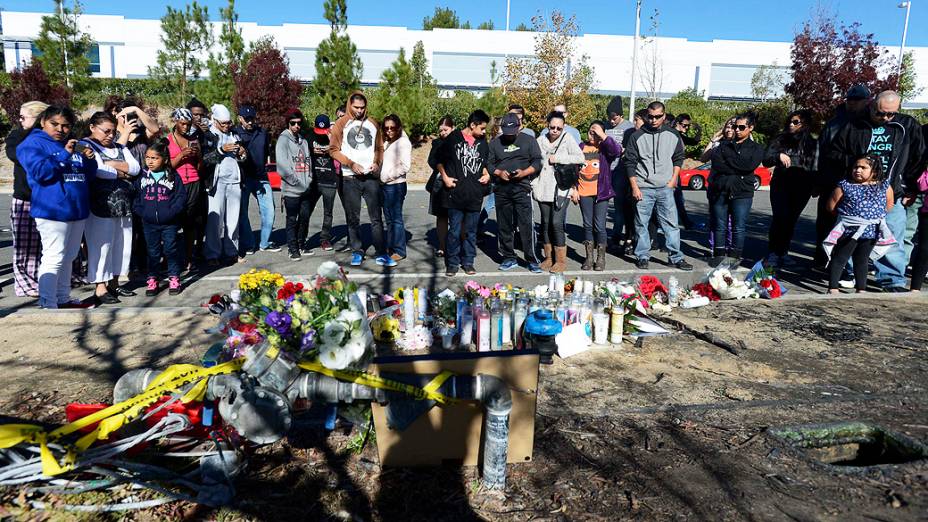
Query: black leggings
pixel 920 265
pixel 552 222
pixel 847 248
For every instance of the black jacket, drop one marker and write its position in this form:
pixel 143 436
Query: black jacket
pixel 520 154
pixel 802 150
pixel 905 161
pixel 159 202
pixel 21 190
pixel 733 166
pixel 256 142
pixel 466 164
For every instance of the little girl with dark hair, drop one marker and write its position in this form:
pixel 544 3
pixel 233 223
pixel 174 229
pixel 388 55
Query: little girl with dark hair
pixel 860 202
pixel 160 202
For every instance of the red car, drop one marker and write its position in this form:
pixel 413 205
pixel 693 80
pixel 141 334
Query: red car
pixel 698 178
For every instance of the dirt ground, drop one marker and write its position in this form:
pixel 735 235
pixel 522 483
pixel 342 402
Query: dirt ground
pixel 676 428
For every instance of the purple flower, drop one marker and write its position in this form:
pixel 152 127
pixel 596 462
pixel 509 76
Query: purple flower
pixel 308 341
pixel 279 321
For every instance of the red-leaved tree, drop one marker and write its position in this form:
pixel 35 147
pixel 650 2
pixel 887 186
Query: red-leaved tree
pixel 266 83
pixel 31 83
pixel 828 60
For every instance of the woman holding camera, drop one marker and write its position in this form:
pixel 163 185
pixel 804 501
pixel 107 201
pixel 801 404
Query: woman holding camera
pixel 58 171
pixel 109 226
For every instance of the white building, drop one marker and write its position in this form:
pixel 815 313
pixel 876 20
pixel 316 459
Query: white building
pixel 721 69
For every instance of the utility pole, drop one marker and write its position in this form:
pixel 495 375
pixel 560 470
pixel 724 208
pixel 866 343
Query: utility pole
pixel 64 45
pixel 905 29
pixel 631 104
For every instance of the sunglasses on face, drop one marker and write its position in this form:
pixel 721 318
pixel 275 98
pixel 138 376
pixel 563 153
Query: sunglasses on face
pixel 224 123
pixel 882 114
pixel 741 127
pixel 685 125
pixel 654 117
pixel 108 132
pixel 795 123
pixel 294 123
pixel 248 120
pixel 388 128
pixel 553 128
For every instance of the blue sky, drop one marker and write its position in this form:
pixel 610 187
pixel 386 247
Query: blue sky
pixel 774 20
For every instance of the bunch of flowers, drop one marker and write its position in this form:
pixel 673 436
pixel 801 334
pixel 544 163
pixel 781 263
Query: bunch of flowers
pixel 764 278
pixel 705 289
pixel 728 287
pixel 325 321
pixel 445 310
pixel 472 290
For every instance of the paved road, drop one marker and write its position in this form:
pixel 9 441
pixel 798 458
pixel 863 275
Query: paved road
pixel 423 268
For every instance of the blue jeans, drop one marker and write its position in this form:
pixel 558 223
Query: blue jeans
pixel 161 240
pixel 461 253
pixel 395 228
pixel 738 209
pixel 662 198
pixel 261 189
pixel 890 269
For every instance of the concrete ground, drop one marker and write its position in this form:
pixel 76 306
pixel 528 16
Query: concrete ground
pixel 423 268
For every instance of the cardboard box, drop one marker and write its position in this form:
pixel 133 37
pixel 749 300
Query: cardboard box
pixel 452 434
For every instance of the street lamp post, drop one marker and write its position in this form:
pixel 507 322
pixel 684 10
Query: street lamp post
pixel 907 5
pixel 631 103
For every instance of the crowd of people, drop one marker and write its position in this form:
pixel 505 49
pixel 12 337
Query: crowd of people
pixel 130 196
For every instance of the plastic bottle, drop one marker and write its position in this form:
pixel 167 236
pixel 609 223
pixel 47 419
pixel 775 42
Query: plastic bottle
pixel 496 322
pixel 600 322
pixel 518 317
pixel 506 322
pixel 673 291
pixel 466 327
pixel 422 305
pixel 483 330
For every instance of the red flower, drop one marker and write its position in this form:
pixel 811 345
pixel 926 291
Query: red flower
pixel 289 290
pixel 772 287
pixel 706 290
pixel 648 285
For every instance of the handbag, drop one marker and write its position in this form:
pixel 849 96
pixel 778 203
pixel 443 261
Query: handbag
pixel 565 176
pixel 111 198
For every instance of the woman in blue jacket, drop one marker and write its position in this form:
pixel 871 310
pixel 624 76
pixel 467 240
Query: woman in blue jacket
pixel 58 171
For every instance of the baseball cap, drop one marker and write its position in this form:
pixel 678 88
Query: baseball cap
pixel 858 92
pixel 322 124
pixel 247 111
pixel 510 124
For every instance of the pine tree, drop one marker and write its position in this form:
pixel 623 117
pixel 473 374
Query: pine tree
pixel 185 34
pixel 338 66
pixel 486 26
pixel 400 93
pixel 420 66
pixel 62 47
pixel 224 65
pixel 443 18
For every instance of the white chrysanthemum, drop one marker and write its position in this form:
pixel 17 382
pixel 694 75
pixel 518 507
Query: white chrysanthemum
pixel 329 270
pixel 356 347
pixel 349 316
pixel 334 357
pixel 334 333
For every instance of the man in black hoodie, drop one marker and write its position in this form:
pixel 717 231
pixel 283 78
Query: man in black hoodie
pixel 515 159
pixel 897 140
pixel 462 164
pixel 254 182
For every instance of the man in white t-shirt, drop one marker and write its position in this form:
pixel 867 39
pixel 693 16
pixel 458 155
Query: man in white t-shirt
pixel 357 143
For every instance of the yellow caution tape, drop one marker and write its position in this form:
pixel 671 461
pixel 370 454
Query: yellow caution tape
pixel 171 380
pixel 429 392
pixel 113 417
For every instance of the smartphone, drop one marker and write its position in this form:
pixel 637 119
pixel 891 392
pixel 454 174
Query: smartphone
pixel 132 117
pixel 80 147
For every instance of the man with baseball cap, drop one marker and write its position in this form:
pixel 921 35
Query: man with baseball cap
pixel 514 160
pixel 326 177
pixel 254 182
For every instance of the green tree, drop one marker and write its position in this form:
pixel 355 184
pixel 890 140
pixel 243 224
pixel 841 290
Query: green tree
pixel 553 75
pixel 486 26
pixel 224 65
pixel 338 66
pixel 420 65
pixel 908 81
pixel 523 27
pixel 443 18
pixel 185 35
pixel 401 93
pixel 62 47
